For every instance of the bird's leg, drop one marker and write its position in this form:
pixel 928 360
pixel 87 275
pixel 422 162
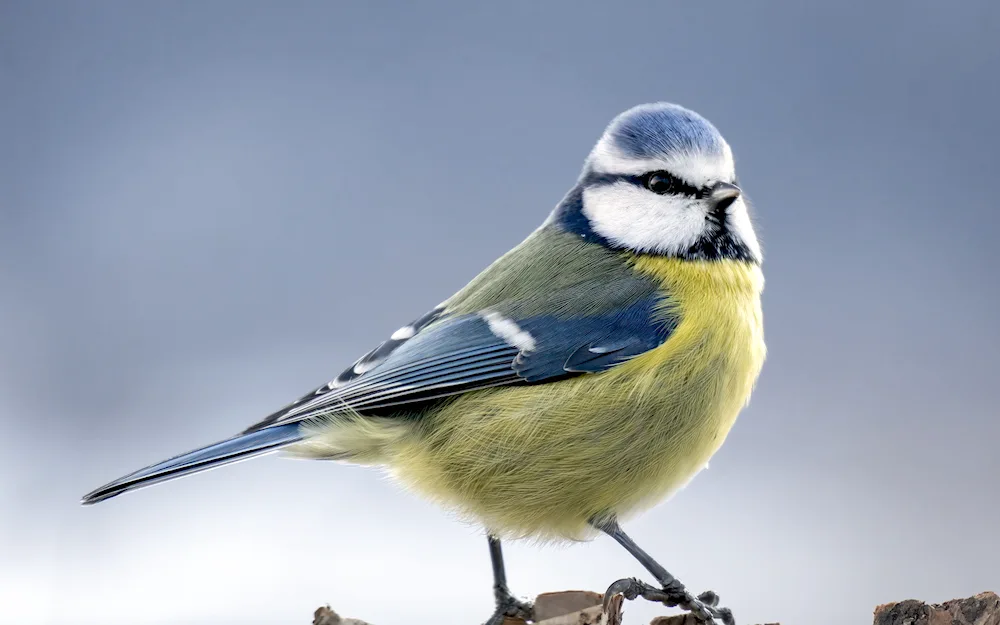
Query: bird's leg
pixel 671 593
pixel 506 604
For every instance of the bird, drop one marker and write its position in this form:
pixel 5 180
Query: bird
pixel 580 379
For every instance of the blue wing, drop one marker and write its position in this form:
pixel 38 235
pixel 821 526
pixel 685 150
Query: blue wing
pixel 440 355
pixel 591 344
pixel 437 356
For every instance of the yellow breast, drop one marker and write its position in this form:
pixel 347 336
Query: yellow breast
pixel 721 318
pixel 716 352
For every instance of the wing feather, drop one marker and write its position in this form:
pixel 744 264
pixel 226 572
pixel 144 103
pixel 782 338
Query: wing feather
pixel 456 354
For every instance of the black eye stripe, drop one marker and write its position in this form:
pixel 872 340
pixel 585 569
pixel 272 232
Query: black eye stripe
pixel 678 186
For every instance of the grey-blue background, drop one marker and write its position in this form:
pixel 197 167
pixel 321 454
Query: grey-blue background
pixel 207 208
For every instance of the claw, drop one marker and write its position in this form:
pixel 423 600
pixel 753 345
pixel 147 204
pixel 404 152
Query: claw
pixel 625 587
pixel 704 607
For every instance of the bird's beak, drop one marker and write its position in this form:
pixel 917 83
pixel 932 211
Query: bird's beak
pixel 723 193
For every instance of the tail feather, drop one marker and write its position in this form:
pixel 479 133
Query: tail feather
pixel 230 450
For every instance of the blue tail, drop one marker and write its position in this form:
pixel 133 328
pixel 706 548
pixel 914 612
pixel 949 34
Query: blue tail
pixel 231 450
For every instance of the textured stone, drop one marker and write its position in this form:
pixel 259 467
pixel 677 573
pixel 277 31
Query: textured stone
pixel 590 616
pixel 326 616
pixel 552 604
pixel 983 609
pixel 578 607
pixel 681 619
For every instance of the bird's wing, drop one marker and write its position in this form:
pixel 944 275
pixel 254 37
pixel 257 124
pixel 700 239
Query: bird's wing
pixel 440 354
pixel 444 354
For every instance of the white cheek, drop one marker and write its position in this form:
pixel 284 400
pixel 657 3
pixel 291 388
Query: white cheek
pixel 632 217
pixel 740 225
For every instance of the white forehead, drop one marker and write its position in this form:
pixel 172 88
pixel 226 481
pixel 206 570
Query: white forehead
pixel 663 136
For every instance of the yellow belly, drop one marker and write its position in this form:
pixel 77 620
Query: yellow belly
pixel 541 460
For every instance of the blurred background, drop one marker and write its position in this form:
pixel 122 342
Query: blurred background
pixel 208 208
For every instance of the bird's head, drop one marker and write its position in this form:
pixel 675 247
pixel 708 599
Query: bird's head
pixel 661 181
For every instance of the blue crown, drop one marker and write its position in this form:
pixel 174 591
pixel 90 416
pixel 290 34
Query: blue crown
pixel 659 130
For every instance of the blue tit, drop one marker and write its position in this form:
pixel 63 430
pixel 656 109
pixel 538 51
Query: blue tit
pixel 584 376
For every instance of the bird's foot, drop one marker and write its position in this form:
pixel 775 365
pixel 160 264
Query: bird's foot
pixel 508 605
pixel 704 607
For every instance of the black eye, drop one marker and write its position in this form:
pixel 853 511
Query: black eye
pixel 660 182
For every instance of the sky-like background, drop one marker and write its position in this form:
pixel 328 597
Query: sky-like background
pixel 207 208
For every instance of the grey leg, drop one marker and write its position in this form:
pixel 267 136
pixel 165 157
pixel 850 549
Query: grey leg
pixel 672 592
pixel 506 604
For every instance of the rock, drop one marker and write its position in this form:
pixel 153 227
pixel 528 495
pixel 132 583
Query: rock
pixel 552 604
pixel 326 616
pixel 679 619
pixel 591 616
pixel 579 607
pixel 983 609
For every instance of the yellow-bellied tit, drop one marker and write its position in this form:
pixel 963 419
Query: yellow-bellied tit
pixel 584 376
